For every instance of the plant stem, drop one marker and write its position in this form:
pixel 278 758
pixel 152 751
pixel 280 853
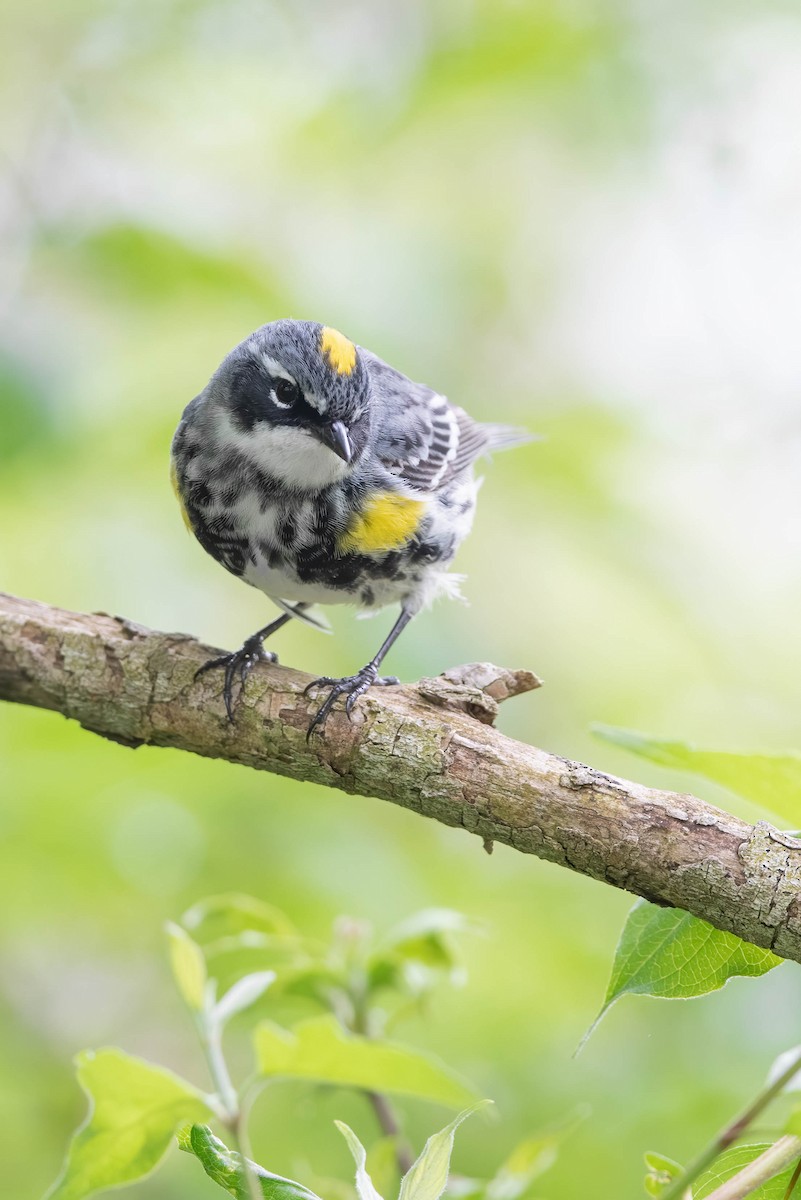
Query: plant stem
pixel 793 1181
pixel 218 1069
pixel 211 1041
pixel 388 1121
pixel 774 1160
pixel 381 1106
pixel 242 1147
pixel 731 1132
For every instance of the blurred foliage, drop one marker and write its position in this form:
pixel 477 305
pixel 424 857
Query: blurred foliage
pixel 136 1108
pixel 426 1179
pixel 773 781
pixel 579 216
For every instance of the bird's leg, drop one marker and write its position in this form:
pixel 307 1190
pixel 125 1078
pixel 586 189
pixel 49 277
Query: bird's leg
pixel 243 660
pixel 354 686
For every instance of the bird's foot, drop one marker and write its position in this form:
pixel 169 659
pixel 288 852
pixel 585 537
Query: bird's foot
pixel 241 662
pixel 352 686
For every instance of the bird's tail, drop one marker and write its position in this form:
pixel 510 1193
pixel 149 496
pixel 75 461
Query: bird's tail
pixel 504 437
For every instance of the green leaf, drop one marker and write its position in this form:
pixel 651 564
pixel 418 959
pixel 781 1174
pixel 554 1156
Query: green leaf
pixel 233 913
pixel 417 950
pixel 240 936
pixel 666 952
pixel 242 994
pixel 427 1178
pixel 224 1166
pixel 364 1184
pixel 134 1111
pixel 318 1049
pixel 772 781
pixel 530 1159
pixel 315 981
pixel 188 967
pixel 733 1160
pixel 661 1172
pixel 427 936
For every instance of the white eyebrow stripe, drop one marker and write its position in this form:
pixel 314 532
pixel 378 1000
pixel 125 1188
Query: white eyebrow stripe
pixel 275 368
pixel 278 372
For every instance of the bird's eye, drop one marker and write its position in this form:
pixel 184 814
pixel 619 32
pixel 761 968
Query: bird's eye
pixel 285 393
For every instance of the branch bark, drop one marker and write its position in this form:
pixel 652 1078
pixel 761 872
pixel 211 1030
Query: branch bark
pixel 429 747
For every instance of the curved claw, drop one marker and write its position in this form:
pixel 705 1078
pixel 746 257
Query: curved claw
pixel 321 716
pixel 228 697
pixel 323 681
pixel 241 661
pixel 211 664
pixel 352 686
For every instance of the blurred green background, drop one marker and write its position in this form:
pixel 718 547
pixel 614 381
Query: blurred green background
pixel 578 216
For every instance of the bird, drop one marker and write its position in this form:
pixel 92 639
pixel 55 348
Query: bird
pixel 316 472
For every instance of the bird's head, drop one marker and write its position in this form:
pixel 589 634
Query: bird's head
pixel 295 396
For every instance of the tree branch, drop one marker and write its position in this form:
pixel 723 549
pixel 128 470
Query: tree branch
pixel 429 747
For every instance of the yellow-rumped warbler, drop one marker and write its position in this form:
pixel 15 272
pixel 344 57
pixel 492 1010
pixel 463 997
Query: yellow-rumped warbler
pixel 319 474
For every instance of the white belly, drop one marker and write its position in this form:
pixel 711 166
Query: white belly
pixel 281 584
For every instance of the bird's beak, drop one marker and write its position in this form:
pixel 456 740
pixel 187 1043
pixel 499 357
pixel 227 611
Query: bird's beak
pixel 336 438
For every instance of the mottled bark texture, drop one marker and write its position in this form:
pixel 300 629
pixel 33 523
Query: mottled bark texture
pixel 429 747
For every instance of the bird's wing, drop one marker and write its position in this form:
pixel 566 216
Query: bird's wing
pixel 420 436
pixel 301 613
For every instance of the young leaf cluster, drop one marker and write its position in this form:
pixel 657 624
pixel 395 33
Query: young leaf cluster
pixel 229 955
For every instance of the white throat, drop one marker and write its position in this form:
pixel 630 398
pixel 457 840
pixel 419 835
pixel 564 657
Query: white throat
pixel 296 457
pixel 292 456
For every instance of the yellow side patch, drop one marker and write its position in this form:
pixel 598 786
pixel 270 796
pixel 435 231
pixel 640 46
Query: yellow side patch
pixel 178 496
pixel 386 522
pixel 339 353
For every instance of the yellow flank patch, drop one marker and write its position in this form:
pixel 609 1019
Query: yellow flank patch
pixel 386 522
pixel 178 496
pixel 337 350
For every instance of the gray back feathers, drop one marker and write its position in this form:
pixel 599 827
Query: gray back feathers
pixel 420 436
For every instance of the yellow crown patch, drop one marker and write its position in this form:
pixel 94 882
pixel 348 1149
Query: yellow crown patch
pixel 339 353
